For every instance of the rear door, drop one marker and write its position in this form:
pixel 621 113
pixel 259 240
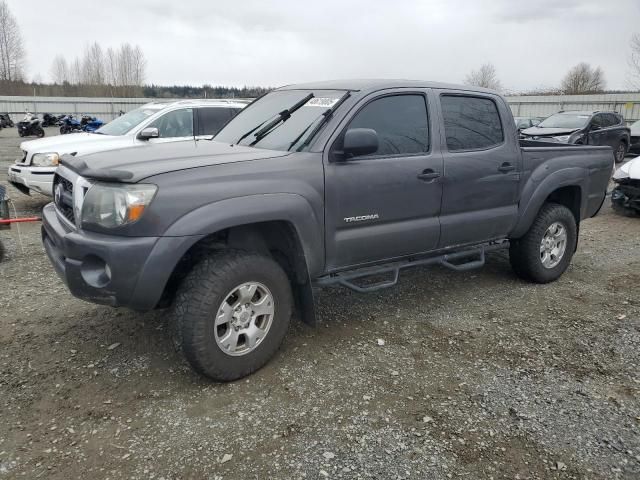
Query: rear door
pixel 481 168
pixel 386 204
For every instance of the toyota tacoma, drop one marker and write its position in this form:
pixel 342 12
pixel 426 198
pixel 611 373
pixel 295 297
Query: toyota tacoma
pixel 334 183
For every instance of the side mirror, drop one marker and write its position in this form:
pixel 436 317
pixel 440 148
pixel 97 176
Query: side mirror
pixel 360 141
pixel 149 132
pixel 595 127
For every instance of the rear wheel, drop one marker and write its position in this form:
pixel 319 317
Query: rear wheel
pixel 231 313
pixel 621 151
pixel 40 132
pixel 545 251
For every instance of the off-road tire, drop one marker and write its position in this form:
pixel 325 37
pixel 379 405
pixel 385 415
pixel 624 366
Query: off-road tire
pixel 200 295
pixel 524 252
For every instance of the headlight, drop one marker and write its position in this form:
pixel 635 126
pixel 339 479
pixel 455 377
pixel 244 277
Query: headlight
pixel 562 138
pixel 621 174
pixel 45 160
pixel 113 205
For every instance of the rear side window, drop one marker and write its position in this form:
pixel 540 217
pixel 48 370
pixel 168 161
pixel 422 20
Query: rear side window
pixel 400 122
pixel 613 119
pixel 471 123
pixel 212 119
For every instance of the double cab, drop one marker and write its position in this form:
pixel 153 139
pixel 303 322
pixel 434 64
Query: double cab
pixel 334 183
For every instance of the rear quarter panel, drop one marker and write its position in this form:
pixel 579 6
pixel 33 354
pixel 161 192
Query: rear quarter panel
pixel 548 168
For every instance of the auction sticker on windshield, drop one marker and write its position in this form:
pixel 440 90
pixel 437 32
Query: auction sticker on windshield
pixel 324 102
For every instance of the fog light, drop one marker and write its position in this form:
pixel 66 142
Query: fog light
pixel 95 271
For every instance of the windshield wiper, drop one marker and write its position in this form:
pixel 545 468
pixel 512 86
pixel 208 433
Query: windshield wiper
pixel 325 116
pixel 283 116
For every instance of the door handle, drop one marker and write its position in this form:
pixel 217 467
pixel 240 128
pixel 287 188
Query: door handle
pixel 506 167
pixel 428 174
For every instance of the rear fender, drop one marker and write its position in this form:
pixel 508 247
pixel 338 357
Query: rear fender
pixel 537 189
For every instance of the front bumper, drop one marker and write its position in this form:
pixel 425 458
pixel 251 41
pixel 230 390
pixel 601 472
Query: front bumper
pixel 626 196
pixel 39 179
pixel 110 269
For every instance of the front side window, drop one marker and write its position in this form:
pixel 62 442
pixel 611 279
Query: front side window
pixel 598 121
pixel 400 121
pixel 471 123
pixel 178 123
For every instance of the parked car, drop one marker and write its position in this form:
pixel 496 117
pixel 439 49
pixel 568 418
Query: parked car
pixel 625 197
pixel 316 184
pixel 635 137
pixel 584 128
pixel 526 122
pixel 150 124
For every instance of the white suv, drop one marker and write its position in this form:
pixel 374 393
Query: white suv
pixel 156 122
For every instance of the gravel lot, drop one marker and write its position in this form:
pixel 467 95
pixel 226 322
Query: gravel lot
pixel 472 375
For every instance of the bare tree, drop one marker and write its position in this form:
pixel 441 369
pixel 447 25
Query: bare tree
pixel 485 77
pixel 93 65
pixel 634 60
pixel 12 53
pixel 583 79
pixel 60 70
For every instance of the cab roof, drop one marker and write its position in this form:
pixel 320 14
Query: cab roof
pixel 367 85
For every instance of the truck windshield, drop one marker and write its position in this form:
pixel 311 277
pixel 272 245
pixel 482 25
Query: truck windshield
pixel 286 133
pixel 125 123
pixel 565 120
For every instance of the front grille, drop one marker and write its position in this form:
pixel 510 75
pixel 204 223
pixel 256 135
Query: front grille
pixel 63 197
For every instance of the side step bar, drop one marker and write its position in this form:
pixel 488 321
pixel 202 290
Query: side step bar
pixel 471 258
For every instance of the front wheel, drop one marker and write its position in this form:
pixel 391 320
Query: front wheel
pixel 545 251
pixel 231 313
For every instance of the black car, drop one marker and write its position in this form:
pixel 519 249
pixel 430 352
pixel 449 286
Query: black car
pixel 584 128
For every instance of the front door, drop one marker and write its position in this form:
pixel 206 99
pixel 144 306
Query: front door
pixel 481 169
pixel 385 204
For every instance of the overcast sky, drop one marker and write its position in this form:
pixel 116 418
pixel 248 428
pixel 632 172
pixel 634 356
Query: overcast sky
pixel 276 42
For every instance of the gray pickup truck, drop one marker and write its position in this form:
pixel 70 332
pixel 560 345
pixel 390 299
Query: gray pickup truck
pixel 334 183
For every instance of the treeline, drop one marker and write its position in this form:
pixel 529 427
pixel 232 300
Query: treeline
pixel 206 91
pixel 40 89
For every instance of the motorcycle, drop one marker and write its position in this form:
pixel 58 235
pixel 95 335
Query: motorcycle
pixel 69 125
pixel 90 124
pixel 49 120
pixel 30 127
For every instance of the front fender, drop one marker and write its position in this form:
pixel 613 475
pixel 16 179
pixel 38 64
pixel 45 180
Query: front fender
pixel 237 211
pixel 540 185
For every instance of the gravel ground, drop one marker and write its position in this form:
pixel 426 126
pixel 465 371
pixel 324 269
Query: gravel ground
pixel 474 375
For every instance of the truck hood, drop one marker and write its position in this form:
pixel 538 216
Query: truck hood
pixel 548 132
pixel 76 142
pixel 134 164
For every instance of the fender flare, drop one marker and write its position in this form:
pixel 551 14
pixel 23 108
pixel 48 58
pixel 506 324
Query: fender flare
pixel 534 193
pixel 251 209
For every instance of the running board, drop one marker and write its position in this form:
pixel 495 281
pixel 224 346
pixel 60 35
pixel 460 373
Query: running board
pixel 474 258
